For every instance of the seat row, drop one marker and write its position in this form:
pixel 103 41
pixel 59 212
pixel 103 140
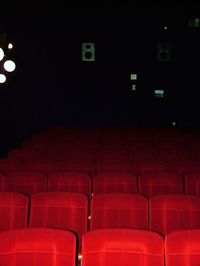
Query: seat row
pixel 91 168
pixel 73 211
pixel 148 185
pixel 105 154
pixel 106 247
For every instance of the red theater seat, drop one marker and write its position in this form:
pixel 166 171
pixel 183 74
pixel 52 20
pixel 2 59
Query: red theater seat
pixel 160 183
pixel 114 182
pixel 22 154
pixel 175 155
pixel 25 182
pixel 76 165
pixel 10 165
pixel 106 166
pixel 13 211
pixel 115 154
pixel 182 248
pixel 174 212
pixel 119 210
pixel 69 182
pixel 186 167
pixel 144 155
pixel 37 246
pixel 150 166
pixel 62 210
pixel 192 184
pixel 52 155
pixel 39 165
pixel 123 247
pixel 83 154
pixel 1 182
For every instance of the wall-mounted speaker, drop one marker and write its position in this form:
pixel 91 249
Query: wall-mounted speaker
pixel 163 52
pixel 88 52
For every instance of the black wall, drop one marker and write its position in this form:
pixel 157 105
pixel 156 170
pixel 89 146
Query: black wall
pixel 51 86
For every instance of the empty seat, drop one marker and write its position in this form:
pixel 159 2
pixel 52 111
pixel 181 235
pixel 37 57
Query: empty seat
pixel 115 154
pixel 174 212
pixel 13 211
pixel 182 248
pixel 160 183
pixel 123 247
pixel 10 165
pixel 22 154
pixel 150 166
pixel 25 182
pixel 175 155
pixel 142 154
pixel 186 167
pixel 62 210
pixel 106 166
pixel 192 184
pixel 37 246
pixel 1 182
pixel 45 166
pixel 119 210
pixel 69 182
pixel 114 182
pixel 76 165
pixel 52 155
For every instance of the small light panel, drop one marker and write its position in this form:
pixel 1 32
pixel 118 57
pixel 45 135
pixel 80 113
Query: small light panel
pixel 133 87
pixel 194 23
pixel 1 54
pixel 173 123
pixel 165 27
pixel 10 46
pixel 2 78
pixel 159 93
pixel 133 76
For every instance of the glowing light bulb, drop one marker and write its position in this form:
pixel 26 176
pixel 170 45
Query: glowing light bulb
pixel 2 78
pixel 9 66
pixel 1 54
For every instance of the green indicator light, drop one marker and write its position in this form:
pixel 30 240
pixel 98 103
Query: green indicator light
pixel 133 77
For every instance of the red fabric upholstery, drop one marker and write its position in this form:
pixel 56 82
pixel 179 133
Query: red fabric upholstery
pixel 52 155
pixel 10 165
pixel 37 247
pixel 123 247
pixel 45 166
pixel 119 210
pixel 183 248
pixel 174 212
pixel 160 183
pixel 63 210
pixel 69 182
pixel 114 182
pixel 34 144
pixel 13 211
pixel 192 184
pixel 25 182
pixel 186 167
pixel 83 154
pixel 116 154
pixel 76 165
pixel 22 154
pixel 175 155
pixel 150 166
pixel 106 166
pixel 144 155
pixel 1 182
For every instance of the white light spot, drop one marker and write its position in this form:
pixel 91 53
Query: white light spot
pixel 1 54
pixel 174 123
pixel 133 87
pixel 165 27
pixel 9 66
pixel 10 46
pixel 2 78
